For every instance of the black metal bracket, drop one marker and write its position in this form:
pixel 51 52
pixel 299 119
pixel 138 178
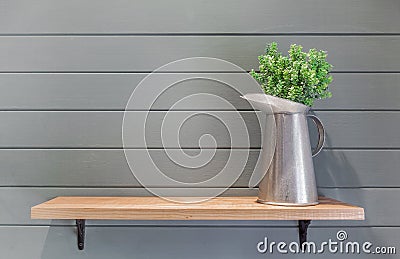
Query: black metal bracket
pixel 303 226
pixel 80 225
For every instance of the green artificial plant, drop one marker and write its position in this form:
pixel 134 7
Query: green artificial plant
pixel 301 77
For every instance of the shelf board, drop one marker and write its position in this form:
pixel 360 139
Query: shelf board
pixel 220 208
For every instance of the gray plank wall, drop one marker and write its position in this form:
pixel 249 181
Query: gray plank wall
pixel 67 69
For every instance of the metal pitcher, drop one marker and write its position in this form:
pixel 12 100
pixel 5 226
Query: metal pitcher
pixel 290 178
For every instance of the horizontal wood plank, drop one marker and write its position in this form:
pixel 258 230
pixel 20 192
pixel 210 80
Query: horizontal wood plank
pixel 103 129
pixel 220 208
pixel 102 91
pixel 112 91
pixel 147 53
pixel 38 167
pixel 16 204
pixel 362 92
pixel 359 129
pixel 357 168
pixel 179 16
pixel 108 167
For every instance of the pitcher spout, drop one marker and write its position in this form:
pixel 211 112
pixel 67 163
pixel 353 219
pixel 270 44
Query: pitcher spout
pixel 268 103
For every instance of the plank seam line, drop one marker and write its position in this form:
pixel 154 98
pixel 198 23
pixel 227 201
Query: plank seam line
pixel 201 226
pixel 188 148
pixel 178 72
pixel 205 34
pixel 183 110
pixel 177 188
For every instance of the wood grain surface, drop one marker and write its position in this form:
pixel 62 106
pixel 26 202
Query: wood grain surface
pixel 220 208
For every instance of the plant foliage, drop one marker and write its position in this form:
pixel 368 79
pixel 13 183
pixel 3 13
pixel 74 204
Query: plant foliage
pixel 300 77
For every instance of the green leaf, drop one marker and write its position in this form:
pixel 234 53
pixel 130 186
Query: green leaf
pixel 301 77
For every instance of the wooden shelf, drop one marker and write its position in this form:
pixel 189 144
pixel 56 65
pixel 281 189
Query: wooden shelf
pixel 220 208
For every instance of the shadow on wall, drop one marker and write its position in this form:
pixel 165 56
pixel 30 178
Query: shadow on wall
pixel 332 167
pixel 333 172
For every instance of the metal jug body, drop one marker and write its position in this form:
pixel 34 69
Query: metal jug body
pixel 290 179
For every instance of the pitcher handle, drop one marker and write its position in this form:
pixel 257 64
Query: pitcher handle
pixel 321 134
